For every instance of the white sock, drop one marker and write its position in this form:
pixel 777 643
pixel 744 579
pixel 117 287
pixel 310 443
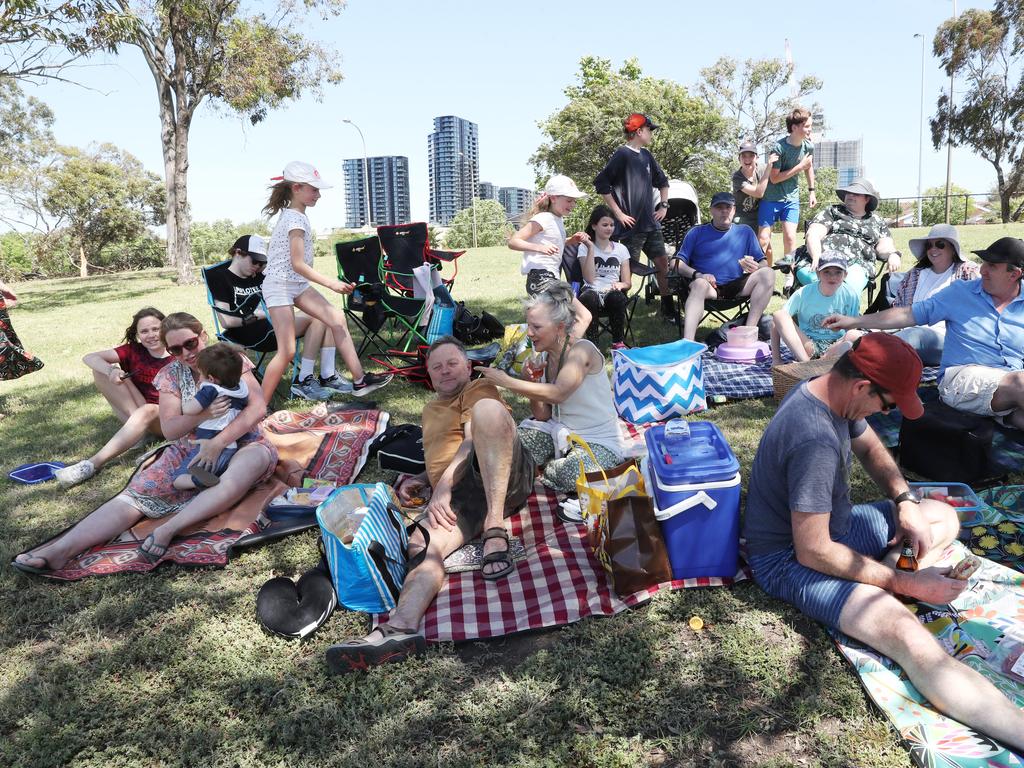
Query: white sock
pixel 327 362
pixel 306 369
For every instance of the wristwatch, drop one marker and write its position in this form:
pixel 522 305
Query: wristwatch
pixel 911 496
pixel 810 189
pixel 661 205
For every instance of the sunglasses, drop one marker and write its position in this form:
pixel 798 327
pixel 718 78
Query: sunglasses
pixel 187 346
pixel 887 405
pixel 940 244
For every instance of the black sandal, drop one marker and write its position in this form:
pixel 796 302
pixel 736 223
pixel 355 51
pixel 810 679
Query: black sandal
pixel 500 558
pixel 397 644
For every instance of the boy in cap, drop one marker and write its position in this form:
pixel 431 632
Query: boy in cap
pixel 811 546
pixel 749 182
pixel 829 295
pixel 781 201
pixel 627 184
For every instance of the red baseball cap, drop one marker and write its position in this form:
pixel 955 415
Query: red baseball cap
pixel 638 120
pixel 890 363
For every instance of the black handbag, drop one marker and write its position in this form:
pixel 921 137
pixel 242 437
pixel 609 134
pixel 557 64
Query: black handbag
pixel 400 449
pixel 948 445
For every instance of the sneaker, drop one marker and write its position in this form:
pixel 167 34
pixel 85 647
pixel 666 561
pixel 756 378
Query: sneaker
pixel 308 389
pixel 619 345
pixel 336 384
pixel 371 383
pixel 75 474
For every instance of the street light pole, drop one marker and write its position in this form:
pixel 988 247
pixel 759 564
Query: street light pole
pixel 920 136
pixel 949 135
pixel 366 171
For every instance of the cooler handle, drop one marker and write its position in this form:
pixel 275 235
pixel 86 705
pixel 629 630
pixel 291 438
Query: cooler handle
pixel 699 498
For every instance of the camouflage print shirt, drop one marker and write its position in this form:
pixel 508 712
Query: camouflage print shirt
pixel 854 238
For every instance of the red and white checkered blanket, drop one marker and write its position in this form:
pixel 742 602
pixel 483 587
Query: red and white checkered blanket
pixel 560 582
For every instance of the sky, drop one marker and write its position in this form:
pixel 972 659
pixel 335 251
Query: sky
pixel 505 66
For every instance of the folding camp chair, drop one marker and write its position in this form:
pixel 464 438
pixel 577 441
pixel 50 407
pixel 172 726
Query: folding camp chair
pixel 405 247
pixel 573 273
pixel 261 347
pixel 388 321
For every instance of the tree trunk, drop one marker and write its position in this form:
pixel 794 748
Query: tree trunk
pixel 1004 195
pixel 83 265
pixel 183 255
pixel 168 148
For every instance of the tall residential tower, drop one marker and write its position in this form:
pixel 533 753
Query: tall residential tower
pixel 389 191
pixel 453 162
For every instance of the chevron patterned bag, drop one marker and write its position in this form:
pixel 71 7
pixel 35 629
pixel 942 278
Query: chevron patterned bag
pixel 657 383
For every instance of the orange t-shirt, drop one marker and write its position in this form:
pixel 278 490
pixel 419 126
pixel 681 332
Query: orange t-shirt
pixel 444 421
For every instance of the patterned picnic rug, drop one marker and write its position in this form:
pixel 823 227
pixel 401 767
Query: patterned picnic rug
pixel 985 623
pixel 745 381
pixel 318 443
pixel 560 582
pixel 1007 444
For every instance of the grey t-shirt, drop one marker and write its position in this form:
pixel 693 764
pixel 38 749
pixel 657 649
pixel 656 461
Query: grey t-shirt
pixel 746 206
pixel 802 465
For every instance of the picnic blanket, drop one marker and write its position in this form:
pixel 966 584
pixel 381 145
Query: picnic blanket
pixel 1007 444
pixel 318 443
pixel 559 583
pixel 981 616
pixel 745 381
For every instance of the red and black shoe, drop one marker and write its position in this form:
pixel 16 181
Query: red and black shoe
pixel 384 645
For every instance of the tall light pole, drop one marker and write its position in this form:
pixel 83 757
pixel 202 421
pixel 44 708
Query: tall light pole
pixel 466 159
pixel 949 135
pixel 920 135
pixel 366 171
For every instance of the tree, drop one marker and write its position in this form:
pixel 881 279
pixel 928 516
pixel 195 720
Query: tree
pixel 211 241
pixel 492 227
pixel 38 40
pixel 984 49
pixel 26 152
pixel 933 210
pixel 756 98
pixel 106 197
pixel 247 64
pixel 693 142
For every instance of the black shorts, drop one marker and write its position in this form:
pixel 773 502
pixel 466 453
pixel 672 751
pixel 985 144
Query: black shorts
pixel 537 280
pixel 733 289
pixel 469 501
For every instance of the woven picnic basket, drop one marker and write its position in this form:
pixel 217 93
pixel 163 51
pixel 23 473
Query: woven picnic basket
pixel 785 377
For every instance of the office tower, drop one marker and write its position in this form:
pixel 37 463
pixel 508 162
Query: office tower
pixel 389 191
pixel 515 200
pixel 453 164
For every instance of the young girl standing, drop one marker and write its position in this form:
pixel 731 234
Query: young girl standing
pixel 542 239
pixel 288 275
pixel 605 267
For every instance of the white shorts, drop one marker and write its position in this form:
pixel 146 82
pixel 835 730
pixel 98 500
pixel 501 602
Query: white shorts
pixel 282 293
pixel 970 388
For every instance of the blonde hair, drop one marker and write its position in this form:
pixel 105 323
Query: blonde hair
pixel 541 204
pixel 280 197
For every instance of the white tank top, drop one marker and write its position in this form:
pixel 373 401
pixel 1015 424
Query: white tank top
pixel 589 411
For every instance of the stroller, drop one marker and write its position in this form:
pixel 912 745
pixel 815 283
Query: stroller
pixel 683 214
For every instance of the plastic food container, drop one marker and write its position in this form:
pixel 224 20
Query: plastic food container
pixel 742 335
pixel 957 495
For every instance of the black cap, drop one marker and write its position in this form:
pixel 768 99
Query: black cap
pixel 253 246
pixel 1005 250
pixel 723 197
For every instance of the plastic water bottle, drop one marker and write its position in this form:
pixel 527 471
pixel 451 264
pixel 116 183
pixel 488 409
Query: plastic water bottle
pixel 357 295
pixel 677 434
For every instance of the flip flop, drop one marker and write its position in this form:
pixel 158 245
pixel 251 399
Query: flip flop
pixel 32 570
pixel 202 477
pixel 397 645
pixel 500 558
pixel 152 551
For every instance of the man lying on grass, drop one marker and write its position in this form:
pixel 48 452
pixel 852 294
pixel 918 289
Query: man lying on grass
pixel 472 485
pixel 810 546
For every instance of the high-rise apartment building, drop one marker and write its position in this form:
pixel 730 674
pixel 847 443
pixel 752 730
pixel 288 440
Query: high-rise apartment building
pixel 453 164
pixel 847 157
pixel 487 191
pixel 515 200
pixel 389 191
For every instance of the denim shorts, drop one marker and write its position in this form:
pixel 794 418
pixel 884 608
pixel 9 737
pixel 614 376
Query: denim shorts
pixel 282 293
pixel 817 594
pixel 770 211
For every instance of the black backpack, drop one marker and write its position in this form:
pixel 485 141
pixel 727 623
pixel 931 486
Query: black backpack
pixel 400 449
pixel 948 445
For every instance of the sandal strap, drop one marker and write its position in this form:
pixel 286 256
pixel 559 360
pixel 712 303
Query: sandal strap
pixel 388 630
pixel 497 532
pixel 497 557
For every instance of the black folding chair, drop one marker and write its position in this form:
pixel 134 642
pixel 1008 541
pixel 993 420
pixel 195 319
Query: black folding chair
pixel 261 346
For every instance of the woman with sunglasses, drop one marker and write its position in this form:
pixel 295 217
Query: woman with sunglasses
pixel 150 492
pixel 939 263
pixel 124 376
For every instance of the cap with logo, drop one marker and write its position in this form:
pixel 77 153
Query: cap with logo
pixel 638 120
pixel 563 186
pixel 302 173
pixel 253 246
pixel 833 259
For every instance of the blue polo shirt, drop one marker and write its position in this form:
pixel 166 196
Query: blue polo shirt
pixel 975 333
pixel 717 253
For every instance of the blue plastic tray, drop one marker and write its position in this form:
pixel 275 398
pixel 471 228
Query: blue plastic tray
pixel 37 472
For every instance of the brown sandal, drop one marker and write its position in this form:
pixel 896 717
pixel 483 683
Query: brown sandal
pixel 497 558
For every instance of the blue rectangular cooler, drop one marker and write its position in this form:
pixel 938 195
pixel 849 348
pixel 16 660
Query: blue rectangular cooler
pixel 696 488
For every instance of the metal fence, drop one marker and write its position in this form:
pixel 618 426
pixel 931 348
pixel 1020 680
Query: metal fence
pixel 969 208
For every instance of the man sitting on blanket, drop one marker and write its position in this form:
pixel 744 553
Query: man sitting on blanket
pixel 476 484
pixel 983 357
pixel 810 546
pixel 723 260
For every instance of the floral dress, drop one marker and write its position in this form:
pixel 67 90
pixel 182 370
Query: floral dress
pixel 15 360
pixel 150 490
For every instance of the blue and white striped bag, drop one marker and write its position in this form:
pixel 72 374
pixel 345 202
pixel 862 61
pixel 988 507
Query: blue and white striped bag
pixel 368 572
pixel 657 383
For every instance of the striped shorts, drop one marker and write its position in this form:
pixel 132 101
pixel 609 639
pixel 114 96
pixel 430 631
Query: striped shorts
pixel 817 594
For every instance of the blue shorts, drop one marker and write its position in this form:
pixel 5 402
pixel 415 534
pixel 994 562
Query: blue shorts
pixel 770 211
pixel 816 594
pixel 222 462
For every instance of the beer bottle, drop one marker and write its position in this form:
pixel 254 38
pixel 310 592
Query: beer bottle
pixel 907 560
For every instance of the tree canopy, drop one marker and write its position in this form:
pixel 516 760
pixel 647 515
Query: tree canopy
pixel 984 50
pixel 693 143
pixel 756 96
pixel 492 226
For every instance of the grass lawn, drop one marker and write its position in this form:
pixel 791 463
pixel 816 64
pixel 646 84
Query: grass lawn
pixel 172 668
